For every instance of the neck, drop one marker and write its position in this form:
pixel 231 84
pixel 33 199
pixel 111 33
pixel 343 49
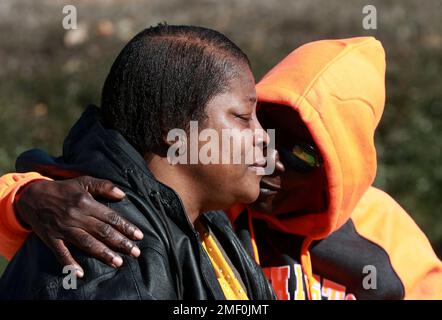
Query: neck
pixel 175 178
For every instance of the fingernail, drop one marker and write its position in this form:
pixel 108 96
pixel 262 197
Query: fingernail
pixel 135 252
pixel 80 273
pixel 118 192
pixel 138 234
pixel 117 261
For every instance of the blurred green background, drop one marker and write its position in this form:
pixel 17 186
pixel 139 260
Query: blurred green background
pixel 48 75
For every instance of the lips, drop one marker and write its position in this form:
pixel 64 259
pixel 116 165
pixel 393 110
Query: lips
pixel 267 188
pixel 259 166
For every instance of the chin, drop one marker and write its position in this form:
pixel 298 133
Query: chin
pixel 251 196
pixel 263 207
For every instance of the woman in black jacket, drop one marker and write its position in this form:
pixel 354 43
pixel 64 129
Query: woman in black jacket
pixel 165 77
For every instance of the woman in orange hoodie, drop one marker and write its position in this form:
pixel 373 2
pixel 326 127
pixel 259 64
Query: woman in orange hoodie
pixel 319 229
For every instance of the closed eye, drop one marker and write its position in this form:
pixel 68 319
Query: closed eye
pixel 246 117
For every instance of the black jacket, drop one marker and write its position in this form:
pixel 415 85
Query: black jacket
pixel 172 264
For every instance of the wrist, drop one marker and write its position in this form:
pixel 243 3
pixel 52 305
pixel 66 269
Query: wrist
pixel 20 207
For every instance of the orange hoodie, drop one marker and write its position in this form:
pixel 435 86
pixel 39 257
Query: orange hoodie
pixel 12 233
pixel 337 86
pixel 338 89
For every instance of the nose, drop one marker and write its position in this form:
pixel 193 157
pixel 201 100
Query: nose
pixel 261 138
pixel 273 161
pixel 279 166
pixel 267 147
pixel 260 141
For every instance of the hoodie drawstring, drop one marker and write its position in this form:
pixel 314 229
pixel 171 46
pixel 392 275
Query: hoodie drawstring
pixel 306 264
pixel 252 236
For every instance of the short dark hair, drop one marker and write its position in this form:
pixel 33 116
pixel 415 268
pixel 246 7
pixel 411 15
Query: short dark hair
pixel 164 78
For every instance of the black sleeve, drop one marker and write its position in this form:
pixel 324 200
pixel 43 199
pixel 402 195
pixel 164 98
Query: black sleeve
pixel 34 273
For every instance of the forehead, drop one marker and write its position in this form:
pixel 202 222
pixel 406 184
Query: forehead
pixel 240 91
pixel 242 83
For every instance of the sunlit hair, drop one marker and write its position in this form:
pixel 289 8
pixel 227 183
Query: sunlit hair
pixel 164 78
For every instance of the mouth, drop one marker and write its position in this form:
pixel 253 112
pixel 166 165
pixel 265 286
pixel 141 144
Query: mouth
pixel 267 188
pixel 258 171
pixel 258 167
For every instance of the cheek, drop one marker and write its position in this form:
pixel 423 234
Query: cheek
pixel 293 181
pixel 226 176
pixel 245 182
pixel 265 204
pixel 232 182
pixel 234 143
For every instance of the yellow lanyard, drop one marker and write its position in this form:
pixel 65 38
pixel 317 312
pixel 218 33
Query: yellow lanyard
pixel 226 277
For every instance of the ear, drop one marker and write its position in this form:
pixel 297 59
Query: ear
pixel 175 146
pixel 174 137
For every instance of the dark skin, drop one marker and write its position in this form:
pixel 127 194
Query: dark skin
pixel 288 191
pixel 65 212
pixel 44 205
pixel 233 109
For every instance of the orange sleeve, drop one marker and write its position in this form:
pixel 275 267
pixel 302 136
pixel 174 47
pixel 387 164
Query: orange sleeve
pixel 380 219
pixel 12 233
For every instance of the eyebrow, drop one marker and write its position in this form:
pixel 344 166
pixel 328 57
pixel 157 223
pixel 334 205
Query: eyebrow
pixel 252 99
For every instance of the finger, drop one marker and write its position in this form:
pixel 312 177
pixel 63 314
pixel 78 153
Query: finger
pixel 112 238
pixel 96 249
pixel 119 223
pixel 64 257
pixel 101 188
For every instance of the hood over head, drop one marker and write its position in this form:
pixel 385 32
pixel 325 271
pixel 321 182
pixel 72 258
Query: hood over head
pixel 338 89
